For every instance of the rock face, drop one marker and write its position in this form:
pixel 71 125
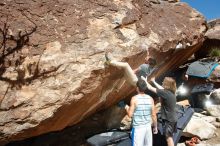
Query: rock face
pixel 215 96
pixel 214 110
pixel 51 71
pixel 214 29
pixel 212 42
pixel 213 39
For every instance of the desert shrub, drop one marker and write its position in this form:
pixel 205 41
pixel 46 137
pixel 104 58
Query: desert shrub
pixel 215 52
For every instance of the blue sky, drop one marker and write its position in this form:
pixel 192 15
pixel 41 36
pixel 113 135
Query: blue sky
pixel 209 8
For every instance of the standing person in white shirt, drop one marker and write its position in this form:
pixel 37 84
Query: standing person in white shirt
pixel 143 114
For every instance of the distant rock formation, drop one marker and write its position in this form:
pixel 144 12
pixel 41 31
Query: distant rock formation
pixel 52 55
pixel 214 29
pixel 212 42
pixel 212 39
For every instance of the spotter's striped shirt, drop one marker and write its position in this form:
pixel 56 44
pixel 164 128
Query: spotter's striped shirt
pixel 143 110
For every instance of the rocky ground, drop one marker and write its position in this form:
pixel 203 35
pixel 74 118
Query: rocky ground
pixel 77 135
pixel 214 140
pixel 204 126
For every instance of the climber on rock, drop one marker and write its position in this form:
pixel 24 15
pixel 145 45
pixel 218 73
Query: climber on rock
pixel 130 75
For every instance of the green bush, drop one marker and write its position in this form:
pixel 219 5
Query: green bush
pixel 215 52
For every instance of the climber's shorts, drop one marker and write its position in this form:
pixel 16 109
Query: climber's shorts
pixel 169 128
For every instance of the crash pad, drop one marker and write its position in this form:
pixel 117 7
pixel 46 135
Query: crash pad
pixel 201 69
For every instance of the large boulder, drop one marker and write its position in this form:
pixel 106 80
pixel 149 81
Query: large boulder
pixel 214 29
pixel 51 72
pixel 212 39
pixel 210 49
pixel 195 127
pixel 214 110
pixel 215 96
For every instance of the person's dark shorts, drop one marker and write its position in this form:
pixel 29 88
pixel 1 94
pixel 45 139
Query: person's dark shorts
pixel 169 128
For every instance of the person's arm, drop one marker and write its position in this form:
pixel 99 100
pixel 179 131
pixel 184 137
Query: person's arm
pixel 136 70
pixel 156 84
pixel 130 109
pixel 154 118
pixel 151 88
